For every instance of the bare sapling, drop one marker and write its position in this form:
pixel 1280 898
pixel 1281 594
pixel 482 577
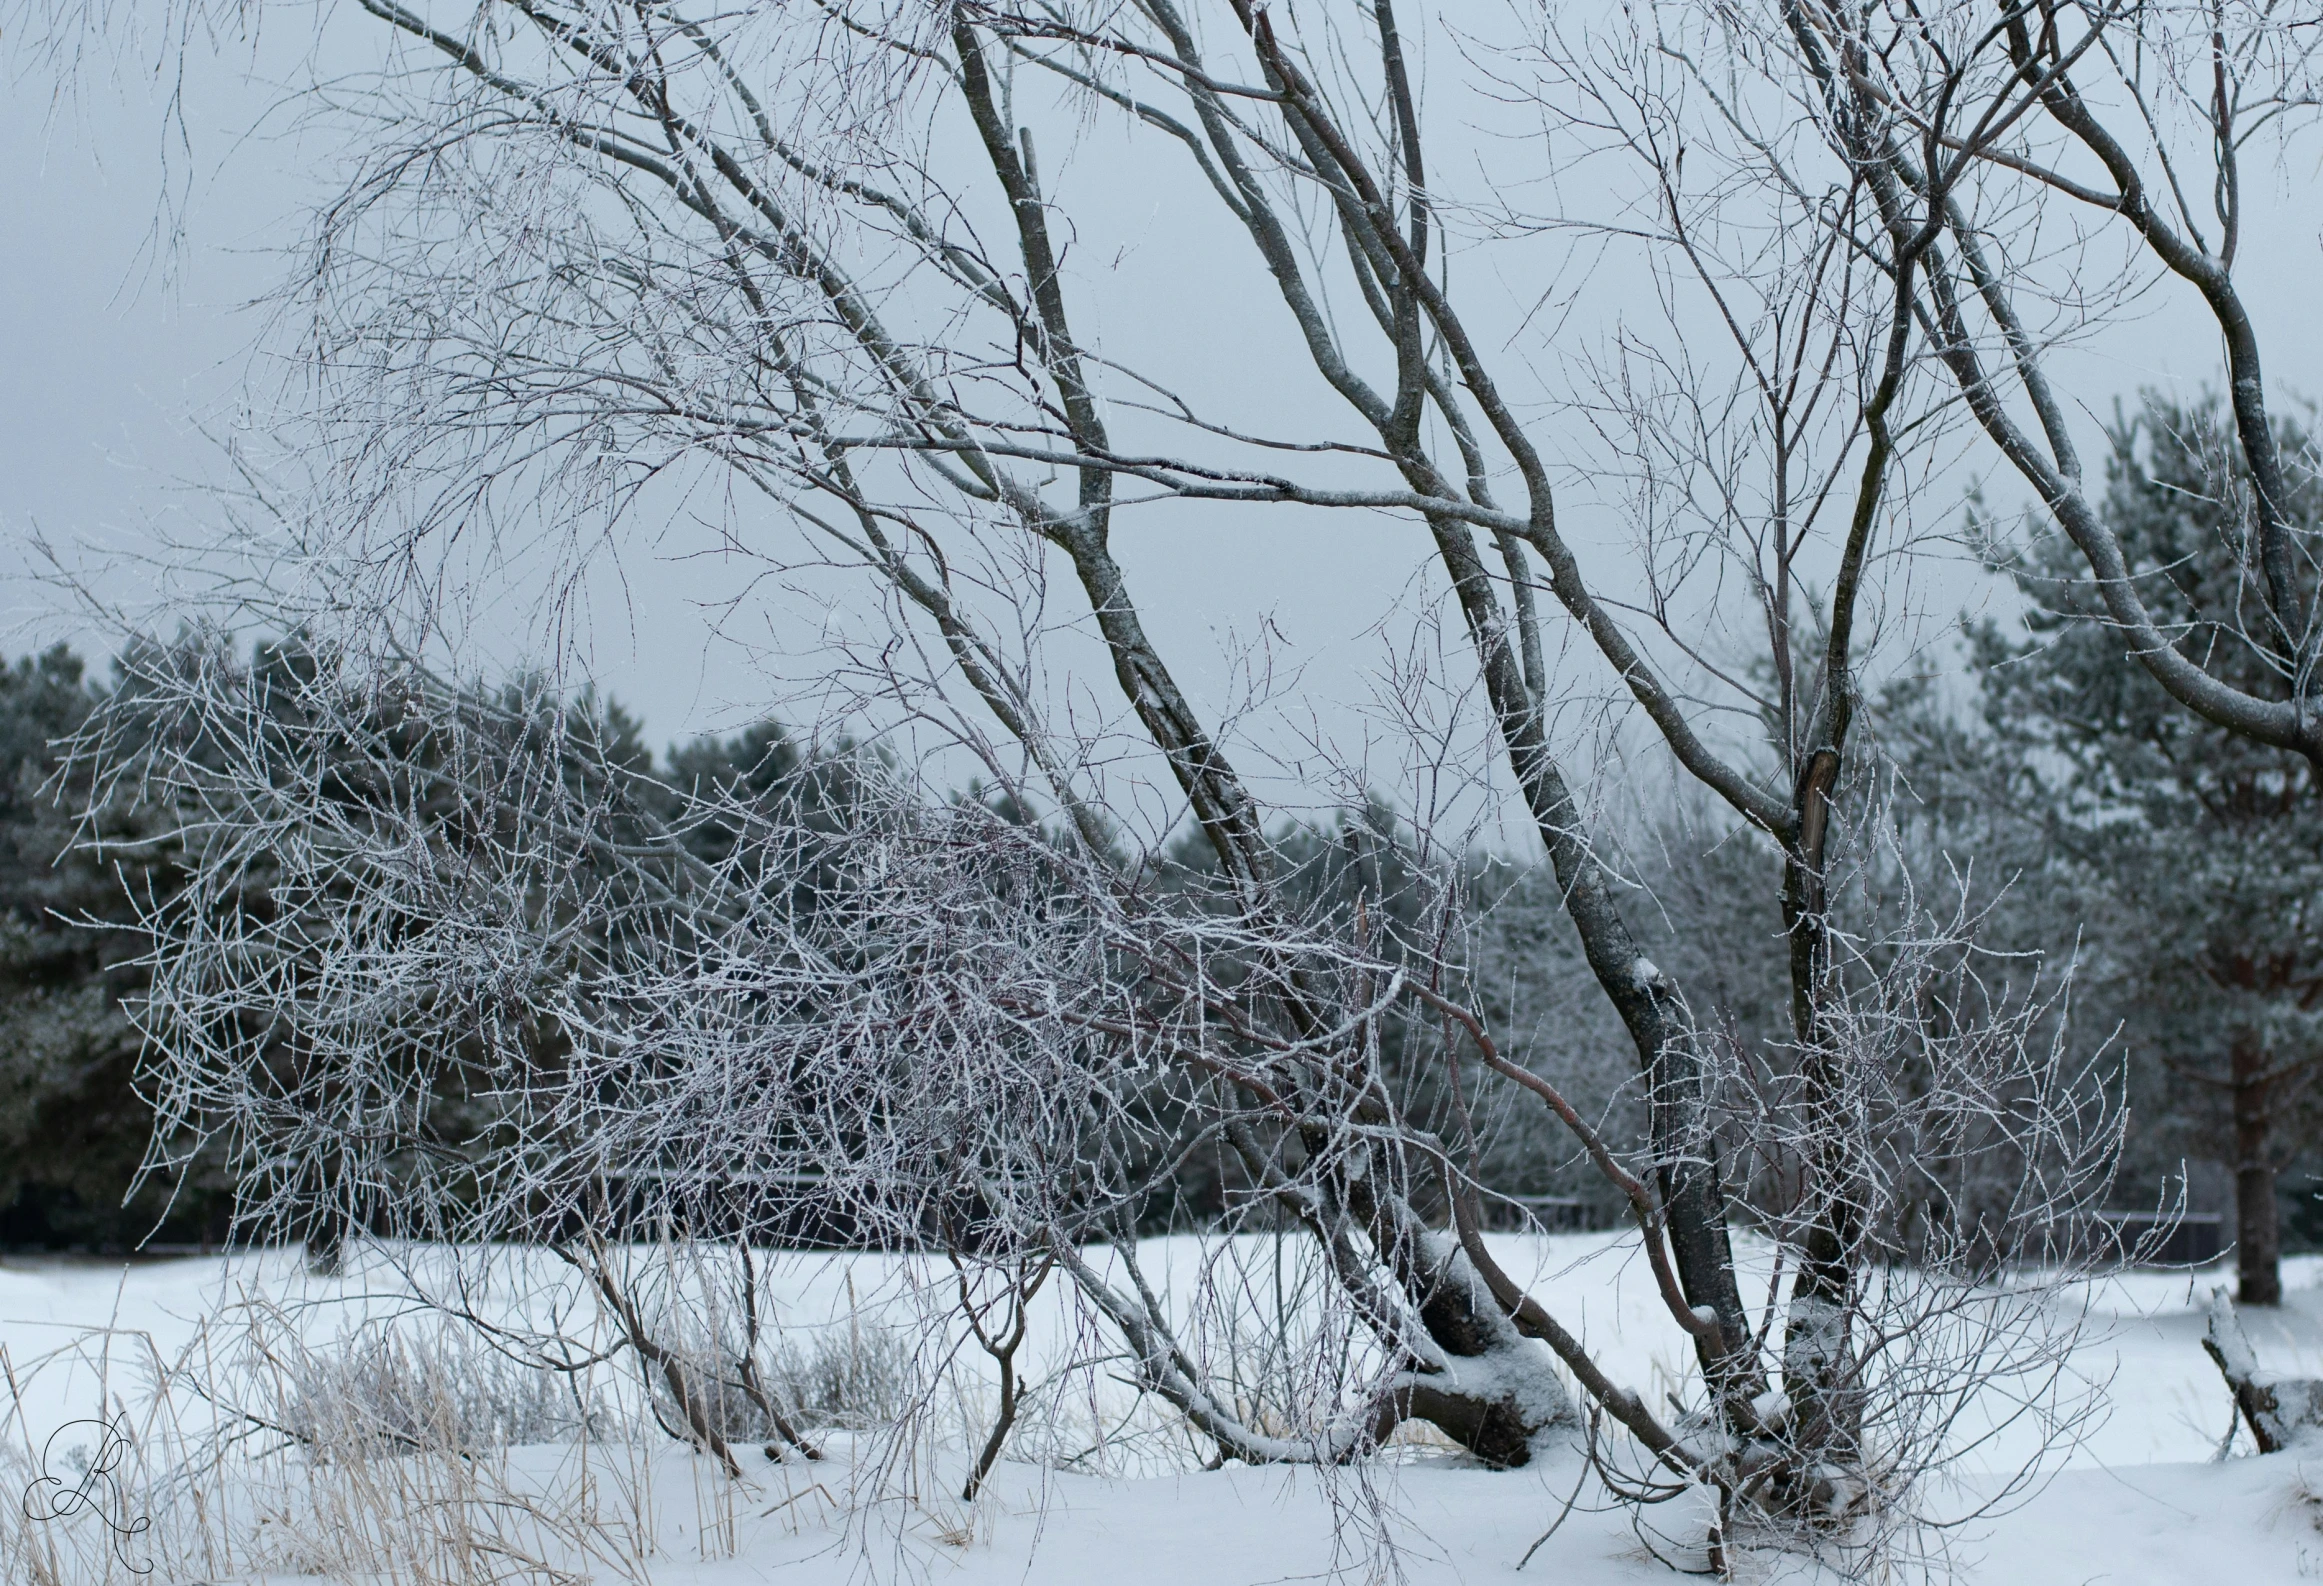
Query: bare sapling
pixel 999 1327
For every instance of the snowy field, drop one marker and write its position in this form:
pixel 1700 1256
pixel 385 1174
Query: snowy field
pixel 2141 1498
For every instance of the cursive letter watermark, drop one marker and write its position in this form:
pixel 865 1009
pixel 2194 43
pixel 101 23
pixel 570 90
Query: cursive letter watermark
pixel 98 1492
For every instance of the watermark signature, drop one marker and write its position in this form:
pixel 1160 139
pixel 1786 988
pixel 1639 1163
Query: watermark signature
pixel 97 1492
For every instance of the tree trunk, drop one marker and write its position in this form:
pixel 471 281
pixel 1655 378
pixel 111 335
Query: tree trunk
pixel 2258 1242
pixel 1819 1368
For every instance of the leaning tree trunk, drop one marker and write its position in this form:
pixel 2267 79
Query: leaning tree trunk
pixel 2258 1240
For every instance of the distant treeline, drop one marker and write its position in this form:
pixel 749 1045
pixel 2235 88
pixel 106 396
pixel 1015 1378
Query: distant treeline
pixel 2060 799
pixel 72 1127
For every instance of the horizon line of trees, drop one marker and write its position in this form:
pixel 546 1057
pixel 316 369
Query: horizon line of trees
pixel 2171 863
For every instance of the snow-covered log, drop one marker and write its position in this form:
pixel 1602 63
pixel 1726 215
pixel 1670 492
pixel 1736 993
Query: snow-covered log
pixel 2280 1409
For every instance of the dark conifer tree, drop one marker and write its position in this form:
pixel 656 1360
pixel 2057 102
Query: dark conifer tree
pixel 2197 853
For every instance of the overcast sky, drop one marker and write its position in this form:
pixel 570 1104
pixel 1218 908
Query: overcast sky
pixel 119 346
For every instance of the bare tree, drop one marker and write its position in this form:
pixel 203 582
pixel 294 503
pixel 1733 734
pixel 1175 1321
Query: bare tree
pixel 2027 138
pixel 2063 157
pixel 587 246
pixel 495 986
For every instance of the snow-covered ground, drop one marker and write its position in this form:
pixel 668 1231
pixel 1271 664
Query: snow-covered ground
pixel 2140 1498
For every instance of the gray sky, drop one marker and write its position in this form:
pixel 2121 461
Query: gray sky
pixel 120 346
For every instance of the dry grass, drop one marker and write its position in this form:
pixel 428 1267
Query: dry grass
pixel 409 1455
pixel 371 1433
pixel 416 1449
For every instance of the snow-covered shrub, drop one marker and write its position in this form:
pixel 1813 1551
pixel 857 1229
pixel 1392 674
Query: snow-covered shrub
pixel 385 1390
pixel 846 1378
pixel 454 968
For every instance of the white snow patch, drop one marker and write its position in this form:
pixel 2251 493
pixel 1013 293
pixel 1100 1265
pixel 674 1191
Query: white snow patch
pixel 2139 1504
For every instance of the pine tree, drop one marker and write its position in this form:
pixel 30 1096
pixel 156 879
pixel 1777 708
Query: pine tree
pixel 72 1125
pixel 2196 854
